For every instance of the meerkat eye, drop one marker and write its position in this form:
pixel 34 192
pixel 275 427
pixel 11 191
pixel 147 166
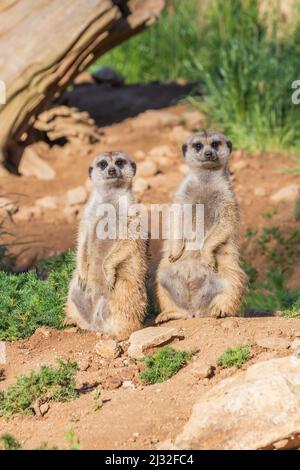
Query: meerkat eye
pixel 197 146
pixel 216 144
pixel 103 164
pixel 120 162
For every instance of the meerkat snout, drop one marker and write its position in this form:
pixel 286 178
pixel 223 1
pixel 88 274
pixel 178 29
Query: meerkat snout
pixel 207 150
pixel 112 166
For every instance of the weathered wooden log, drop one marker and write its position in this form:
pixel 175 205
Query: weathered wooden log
pixel 45 44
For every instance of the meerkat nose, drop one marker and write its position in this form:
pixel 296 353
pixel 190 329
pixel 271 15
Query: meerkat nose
pixel 111 171
pixel 208 153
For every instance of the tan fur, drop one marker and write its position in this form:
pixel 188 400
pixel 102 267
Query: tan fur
pixel 210 281
pixel 107 292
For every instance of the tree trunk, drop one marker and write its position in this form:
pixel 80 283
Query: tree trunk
pixel 44 44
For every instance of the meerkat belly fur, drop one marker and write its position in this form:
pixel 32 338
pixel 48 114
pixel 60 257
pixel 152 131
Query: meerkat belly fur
pixel 107 292
pixel 208 281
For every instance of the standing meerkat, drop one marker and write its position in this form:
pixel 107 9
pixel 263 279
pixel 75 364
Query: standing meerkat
pixel 107 292
pixel 208 281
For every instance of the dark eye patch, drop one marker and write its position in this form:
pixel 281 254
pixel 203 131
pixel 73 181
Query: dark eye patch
pixel 120 162
pixel 103 164
pixel 197 146
pixel 216 144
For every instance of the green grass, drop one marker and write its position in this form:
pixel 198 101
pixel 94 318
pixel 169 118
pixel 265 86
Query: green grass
pixel 248 73
pixel 30 300
pixel 234 357
pixel 297 210
pixel 163 365
pixel 53 383
pixel 9 442
pixel 162 52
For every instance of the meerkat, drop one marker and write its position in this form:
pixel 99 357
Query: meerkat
pixel 107 292
pixel 208 281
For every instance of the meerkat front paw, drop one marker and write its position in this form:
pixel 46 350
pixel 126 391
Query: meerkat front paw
pixel 209 260
pixel 174 257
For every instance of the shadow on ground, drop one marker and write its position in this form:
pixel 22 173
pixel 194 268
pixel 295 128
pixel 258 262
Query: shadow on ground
pixel 109 104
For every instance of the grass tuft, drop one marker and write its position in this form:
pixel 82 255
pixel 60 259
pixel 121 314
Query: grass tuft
pixel 51 383
pixel 163 365
pixel 30 300
pixel 234 357
pixel 9 442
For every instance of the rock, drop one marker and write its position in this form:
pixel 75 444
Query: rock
pixel 147 168
pixel 288 193
pixel 295 344
pixel 259 191
pixel 272 342
pixel 32 165
pixel 44 408
pixel 179 135
pixel 112 383
pixel 128 384
pixel 25 214
pixel 48 202
pixel 108 348
pixel 142 340
pixel 76 196
pixel 2 352
pixel 7 207
pixel 139 155
pixel 256 409
pixel 140 185
pixel 201 370
pixel 84 364
pixel 108 75
pixel 184 169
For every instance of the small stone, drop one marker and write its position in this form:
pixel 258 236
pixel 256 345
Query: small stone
pixel 139 155
pixel 84 364
pixel 7 207
pixel 48 202
pixel 112 383
pixel 140 185
pixel 128 384
pixel 259 191
pixel 202 370
pixel 295 344
pixel 155 119
pixel 108 75
pixel 193 120
pixel 44 408
pixel 76 196
pixel 108 348
pixel 32 165
pixel 147 168
pixel 288 193
pixel 25 214
pixel 142 340
pixel 272 342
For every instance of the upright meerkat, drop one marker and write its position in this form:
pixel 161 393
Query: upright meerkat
pixel 208 281
pixel 107 292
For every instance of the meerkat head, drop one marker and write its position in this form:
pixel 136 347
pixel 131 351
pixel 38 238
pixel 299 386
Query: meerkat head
pixel 207 150
pixel 113 168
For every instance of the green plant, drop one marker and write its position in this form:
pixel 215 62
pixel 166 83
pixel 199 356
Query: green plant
pixel 297 210
pixel 97 401
pixel 73 441
pixel 163 365
pixel 248 71
pixel 29 300
pixel 234 357
pixel 51 383
pixel 9 442
pixel 162 52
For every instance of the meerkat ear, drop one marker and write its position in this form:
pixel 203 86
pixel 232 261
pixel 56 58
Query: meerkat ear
pixel 90 171
pixel 184 149
pixel 133 164
pixel 229 145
